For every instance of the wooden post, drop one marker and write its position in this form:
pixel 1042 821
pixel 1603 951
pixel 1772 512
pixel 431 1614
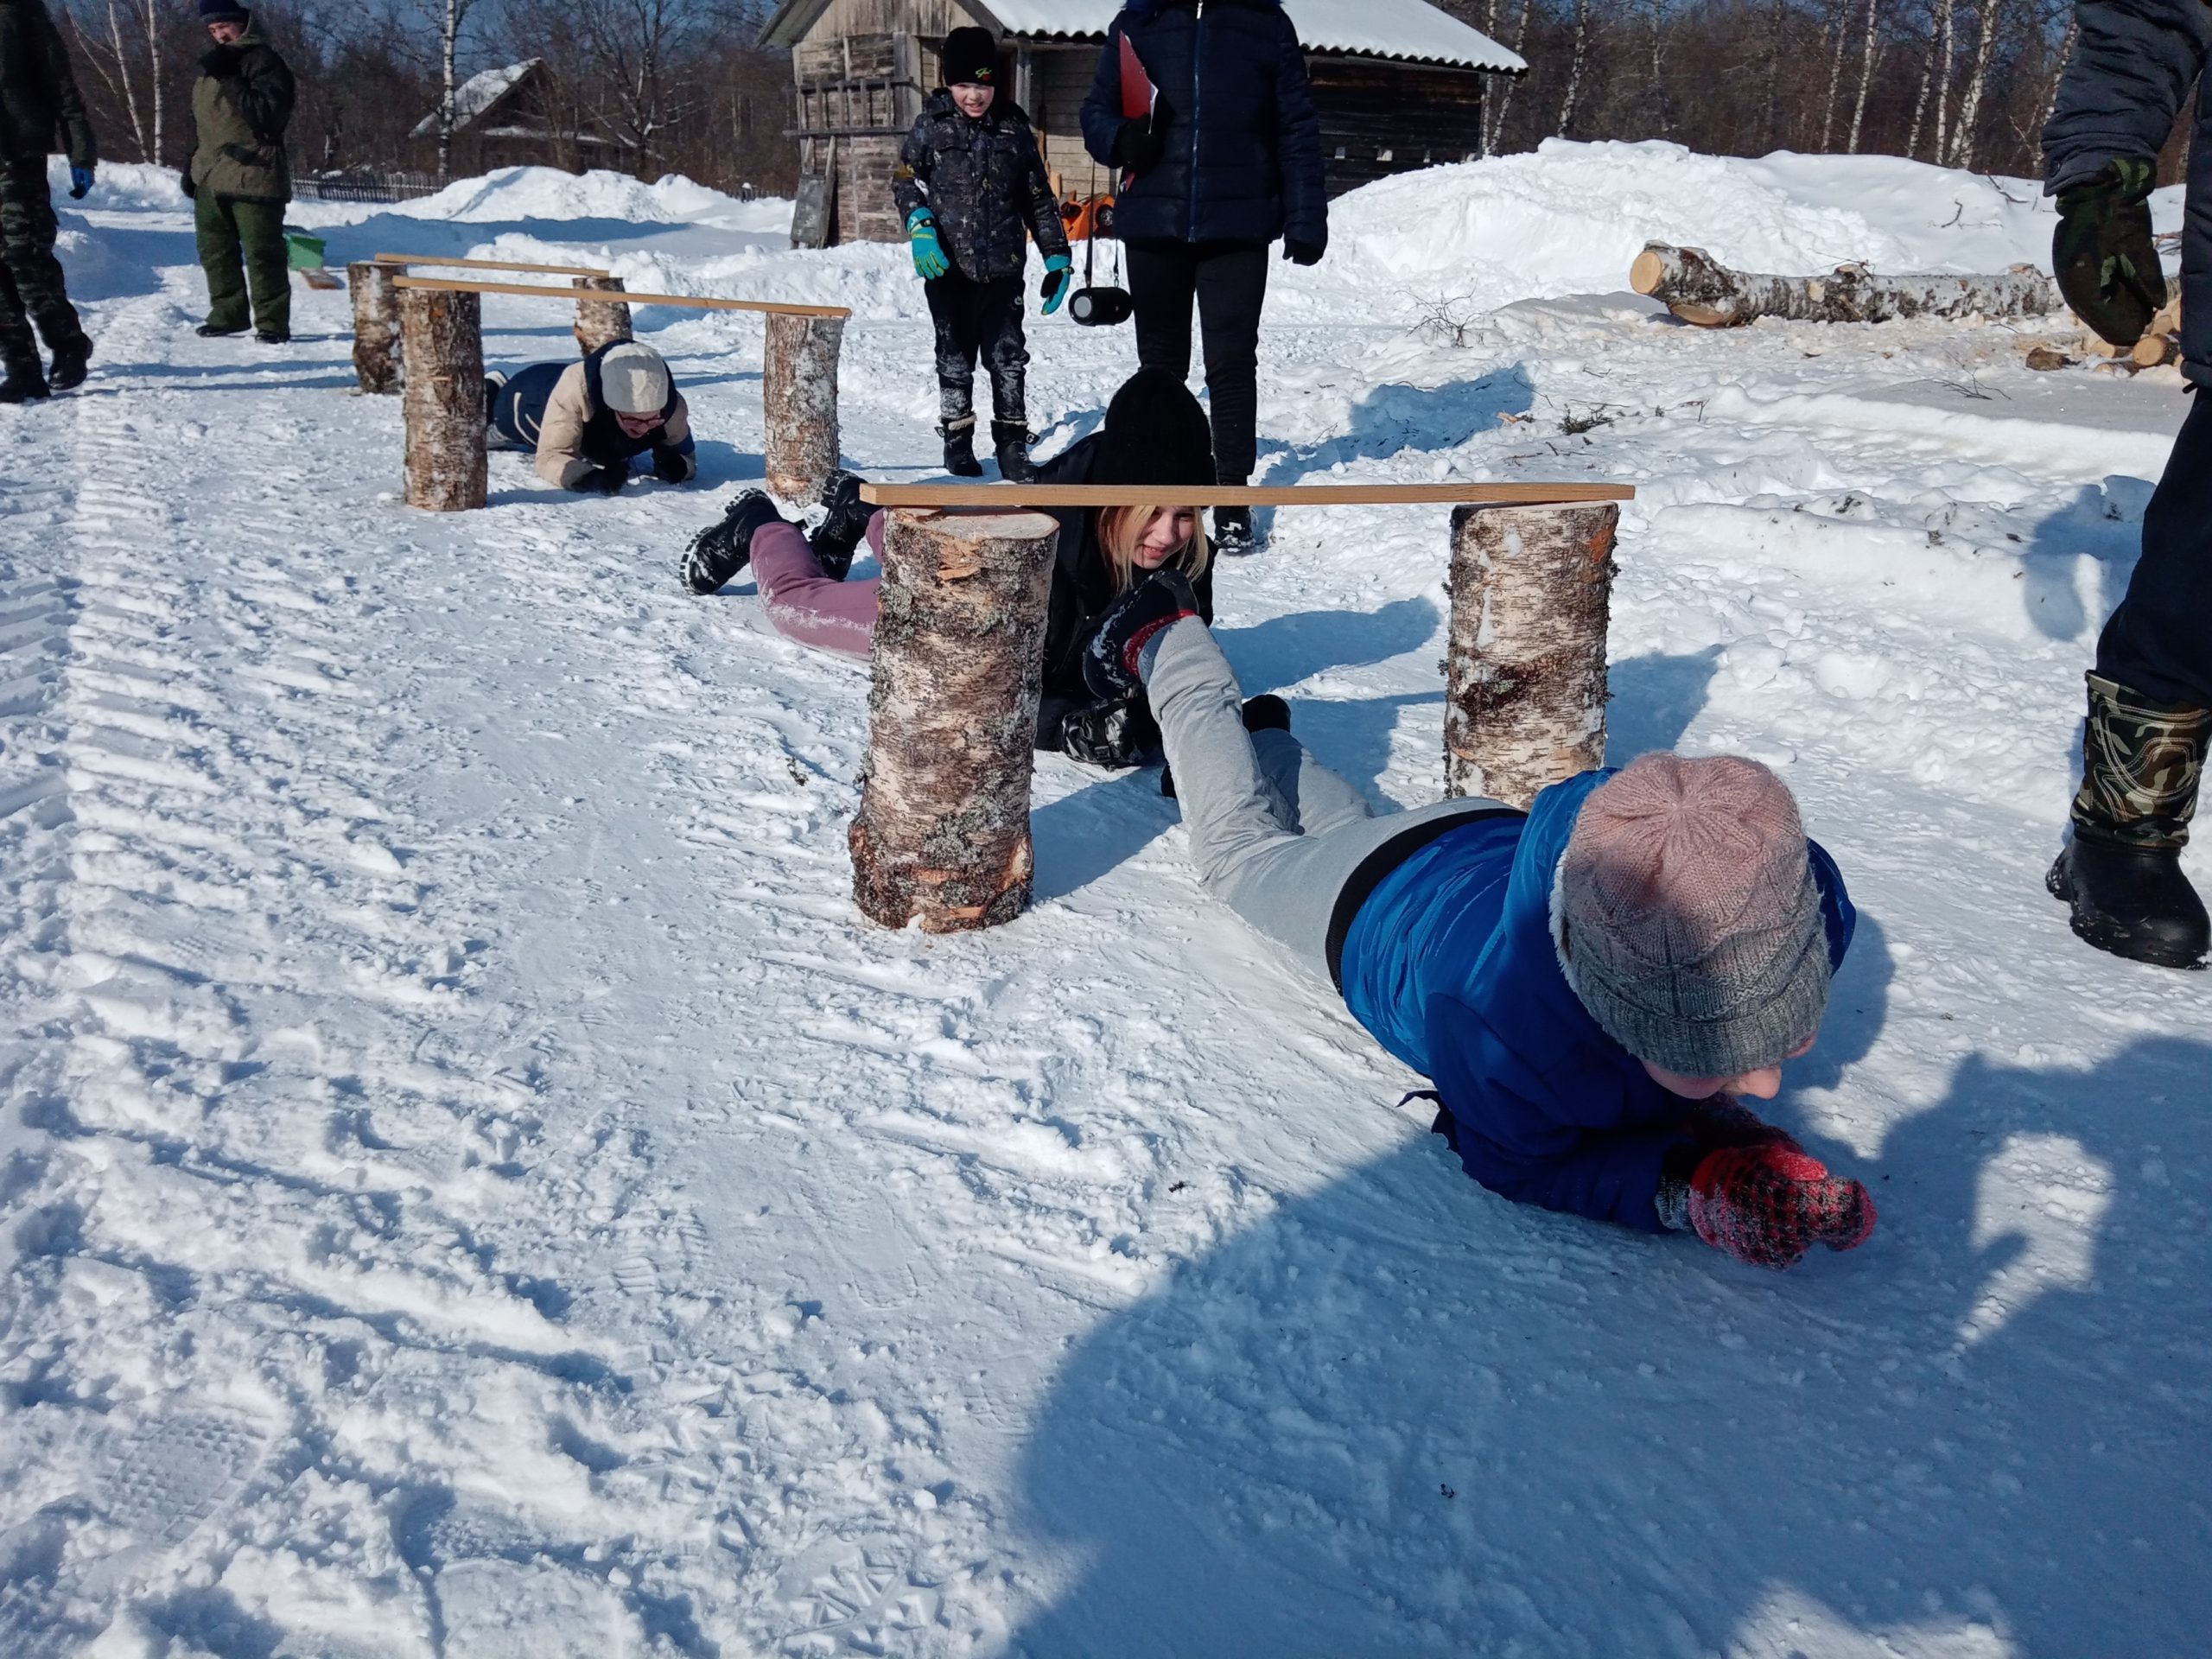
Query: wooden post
pixel 376 325
pixel 443 338
pixel 942 834
pixel 600 322
pixel 1525 679
pixel 799 390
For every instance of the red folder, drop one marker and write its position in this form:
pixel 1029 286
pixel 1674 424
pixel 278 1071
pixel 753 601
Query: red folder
pixel 1137 90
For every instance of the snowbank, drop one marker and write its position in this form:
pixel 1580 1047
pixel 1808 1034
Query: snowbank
pixel 120 186
pixel 516 192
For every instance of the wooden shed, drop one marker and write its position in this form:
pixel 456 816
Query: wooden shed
pixel 1399 84
pixel 516 116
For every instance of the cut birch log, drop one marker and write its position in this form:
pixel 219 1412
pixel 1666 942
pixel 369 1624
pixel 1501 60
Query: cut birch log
pixel 2161 341
pixel 1700 289
pixel 443 335
pixel 943 831
pixel 1525 676
pixel 376 325
pixel 798 388
pixel 600 322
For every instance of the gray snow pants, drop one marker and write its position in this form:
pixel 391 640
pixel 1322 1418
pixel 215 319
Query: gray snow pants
pixel 1275 835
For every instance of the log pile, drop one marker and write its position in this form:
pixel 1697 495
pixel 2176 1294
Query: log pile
pixel 1700 289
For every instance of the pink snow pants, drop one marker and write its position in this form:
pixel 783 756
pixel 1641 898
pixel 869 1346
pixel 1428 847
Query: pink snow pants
pixel 805 605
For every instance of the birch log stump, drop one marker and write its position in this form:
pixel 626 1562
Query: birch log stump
pixel 798 387
pixel 376 325
pixel 444 337
pixel 600 322
pixel 1698 288
pixel 942 834
pixel 1525 678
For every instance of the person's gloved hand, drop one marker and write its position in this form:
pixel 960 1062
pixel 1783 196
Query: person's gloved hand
pixel 1768 1204
pixel 602 481
pixel 184 183
pixel 1142 140
pixel 929 254
pixel 1300 251
pixel 1058 270
pixel 1103 734
pixel 2102 253
pixel 80 183
pixel 673 466
pixel 221 62
pixel 1110 661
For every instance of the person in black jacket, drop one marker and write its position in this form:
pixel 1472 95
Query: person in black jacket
pixel 2151 692
pixel 1154 433
pixel 1227 158
pixel 39 102
pixel 971 186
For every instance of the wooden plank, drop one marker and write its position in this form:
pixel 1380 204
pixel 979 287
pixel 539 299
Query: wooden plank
pixel 1223 495
pixel 488 264
pixel 693 302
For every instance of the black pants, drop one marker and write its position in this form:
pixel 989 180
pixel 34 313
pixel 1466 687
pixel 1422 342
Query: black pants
pixel 1229 280
pixel 979 319
pixel 2159 641
pixel 31 288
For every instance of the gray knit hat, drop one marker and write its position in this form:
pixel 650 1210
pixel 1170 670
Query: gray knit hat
pixel 1687 917
pixel 634 379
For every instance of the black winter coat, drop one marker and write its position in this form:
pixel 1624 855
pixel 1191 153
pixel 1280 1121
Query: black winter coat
pixel 2134 64
pixel 985 182
pixel 1242 157
pixel 39 99
pixel 1083 588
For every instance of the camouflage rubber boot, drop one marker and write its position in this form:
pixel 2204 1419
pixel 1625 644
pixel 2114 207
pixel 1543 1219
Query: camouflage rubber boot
pixel 2121 872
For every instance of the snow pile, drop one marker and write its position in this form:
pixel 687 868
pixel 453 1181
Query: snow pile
pixel 544 193
pixel 119 186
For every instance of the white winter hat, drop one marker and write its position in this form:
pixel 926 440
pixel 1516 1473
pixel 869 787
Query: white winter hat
pixel 633 380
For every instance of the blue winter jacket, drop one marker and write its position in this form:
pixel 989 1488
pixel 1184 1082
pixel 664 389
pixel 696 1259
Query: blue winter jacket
pixel 2134 64
pixel 1450 963
pixel 1242 159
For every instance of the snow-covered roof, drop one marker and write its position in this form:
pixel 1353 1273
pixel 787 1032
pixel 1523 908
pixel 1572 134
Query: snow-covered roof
pixel 478 94
pixel 1413 31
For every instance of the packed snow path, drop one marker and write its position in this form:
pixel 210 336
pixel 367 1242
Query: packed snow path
pixel 473 1185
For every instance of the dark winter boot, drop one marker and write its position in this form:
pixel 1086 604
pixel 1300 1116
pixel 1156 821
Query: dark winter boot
pixel 1232 532
pixel 1264 713
pixel 24 383
pixel 719 551
pixel 960 448
pixel 70 360
pixel 210 331
pixel 839 536
pixel 2121 872
pixel 1011 439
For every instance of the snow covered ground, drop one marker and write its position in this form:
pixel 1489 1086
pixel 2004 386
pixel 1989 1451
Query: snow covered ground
pixel 473 1185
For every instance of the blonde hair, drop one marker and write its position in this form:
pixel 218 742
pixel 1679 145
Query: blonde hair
pixel 1120 529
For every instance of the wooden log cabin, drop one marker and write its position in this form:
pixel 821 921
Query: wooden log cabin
pixel 1399 84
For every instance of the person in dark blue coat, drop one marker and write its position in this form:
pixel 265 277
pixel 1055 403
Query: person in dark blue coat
pixel 1226 159
pixel 2151 693
pixel 1593 986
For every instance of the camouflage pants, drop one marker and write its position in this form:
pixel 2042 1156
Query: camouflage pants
pixel 31 285
pixel 973 320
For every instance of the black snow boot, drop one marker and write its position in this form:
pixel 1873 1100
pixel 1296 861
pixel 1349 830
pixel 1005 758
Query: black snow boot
pixel 960 448
pixel 1011 439
pixel 839 536
pixel 2141 762
pixel 23 384
pixel 719 551
pixel 1232 532
pixel 1264 713
pixel 209 331
pixel 70 363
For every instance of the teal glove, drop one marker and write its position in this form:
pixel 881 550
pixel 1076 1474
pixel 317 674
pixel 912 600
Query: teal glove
pixel 1055 289
pixel 929 256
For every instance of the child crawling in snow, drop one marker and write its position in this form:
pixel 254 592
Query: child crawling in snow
pixel 1591 985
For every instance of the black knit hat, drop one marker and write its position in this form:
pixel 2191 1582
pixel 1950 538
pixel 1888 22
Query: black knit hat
pixel 1155 433
pixel 223 11
pixel 970 58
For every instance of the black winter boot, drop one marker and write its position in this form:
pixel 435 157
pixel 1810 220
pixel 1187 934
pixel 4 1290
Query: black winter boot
pixel 2121 872
pixel 719 551
pixel 960 448
pixel 1011 439
pixel 70 363
pixel 23 384
pixel 1232 532
pixel 839 536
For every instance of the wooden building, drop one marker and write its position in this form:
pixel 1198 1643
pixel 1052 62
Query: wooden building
pixel 1399 84
pixel 516 116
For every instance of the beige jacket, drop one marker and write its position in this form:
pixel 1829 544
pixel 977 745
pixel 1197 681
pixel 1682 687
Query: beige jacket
pixel 561 456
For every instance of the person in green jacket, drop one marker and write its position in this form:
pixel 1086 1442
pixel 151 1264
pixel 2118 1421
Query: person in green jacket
pixel 240 177
pixel 39 102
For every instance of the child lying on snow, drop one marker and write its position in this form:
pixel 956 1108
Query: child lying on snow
pixel 1590 984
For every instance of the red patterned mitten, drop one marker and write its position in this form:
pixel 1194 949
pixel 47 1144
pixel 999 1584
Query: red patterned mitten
pixel 1769 1204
